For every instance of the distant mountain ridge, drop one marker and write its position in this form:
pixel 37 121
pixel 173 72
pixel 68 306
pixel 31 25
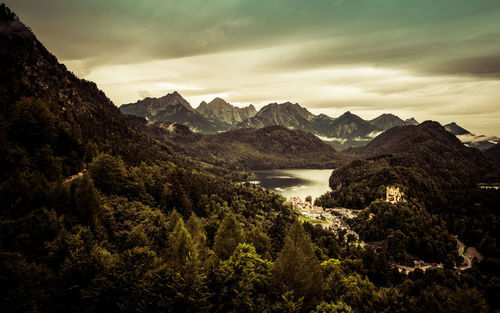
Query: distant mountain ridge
pixel 455 129
pixel 480 142
pixel 218 115
pixel 347 130
pixel 387 121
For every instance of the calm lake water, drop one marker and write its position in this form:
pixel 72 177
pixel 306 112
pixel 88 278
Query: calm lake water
pixel 294 182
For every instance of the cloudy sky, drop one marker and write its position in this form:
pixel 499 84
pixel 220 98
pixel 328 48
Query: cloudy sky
pixel 431 59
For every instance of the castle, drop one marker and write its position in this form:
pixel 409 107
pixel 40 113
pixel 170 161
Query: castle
pixel 393 195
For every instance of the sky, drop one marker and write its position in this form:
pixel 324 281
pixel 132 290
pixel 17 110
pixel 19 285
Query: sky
pixel 432 60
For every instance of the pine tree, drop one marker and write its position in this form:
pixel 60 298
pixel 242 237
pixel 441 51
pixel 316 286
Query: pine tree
pixel 297 269
pixel 195 227
pixel 180 286
pixel 245 279
pixel 180 246
pixel 227 237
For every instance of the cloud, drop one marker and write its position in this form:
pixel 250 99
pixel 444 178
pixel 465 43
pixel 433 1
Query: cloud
pixel 429 59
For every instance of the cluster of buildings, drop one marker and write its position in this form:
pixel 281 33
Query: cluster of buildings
pixel 332 219
pixel 418 264
pixel 305 206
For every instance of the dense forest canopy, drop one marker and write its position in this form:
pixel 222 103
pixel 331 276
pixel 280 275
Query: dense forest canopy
pixel 98 215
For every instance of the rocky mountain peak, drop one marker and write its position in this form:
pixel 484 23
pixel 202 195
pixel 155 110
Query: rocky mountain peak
pixel 411 121
pixel 221 110
pixel 387 121
pixel 455 129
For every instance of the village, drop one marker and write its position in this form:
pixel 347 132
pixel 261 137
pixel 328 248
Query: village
pixel 334 219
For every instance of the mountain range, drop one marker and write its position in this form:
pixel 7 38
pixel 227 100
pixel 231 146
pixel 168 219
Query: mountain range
pixel 218 115
pixel 347 130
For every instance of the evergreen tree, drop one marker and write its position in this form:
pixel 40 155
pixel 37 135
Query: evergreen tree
pixel 227 237
pixel 86 200
pixel 195 227
pixel 181 285
pixel 180 246
pixel 297 269
pixel 245 278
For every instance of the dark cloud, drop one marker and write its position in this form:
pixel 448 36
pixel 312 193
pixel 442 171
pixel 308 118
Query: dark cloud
pixel 128 31
pixel 485 66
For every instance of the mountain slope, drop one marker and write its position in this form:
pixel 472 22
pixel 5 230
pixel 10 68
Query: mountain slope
pixel 45 109
pixel 344 131
pixel 173 108
pixel 267 147
pixel 493 152
pixel 219 109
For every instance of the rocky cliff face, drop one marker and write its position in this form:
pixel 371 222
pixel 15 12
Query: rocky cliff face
pixel 285 114
pixel 219 109
pixel 150 108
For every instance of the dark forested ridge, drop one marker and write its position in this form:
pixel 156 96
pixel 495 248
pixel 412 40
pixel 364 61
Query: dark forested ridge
pixel 100 213
pixel 247 148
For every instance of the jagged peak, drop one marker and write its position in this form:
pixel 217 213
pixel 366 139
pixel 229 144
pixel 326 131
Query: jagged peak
pixel 456 129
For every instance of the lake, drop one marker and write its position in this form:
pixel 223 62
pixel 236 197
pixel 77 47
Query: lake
pixel 294 182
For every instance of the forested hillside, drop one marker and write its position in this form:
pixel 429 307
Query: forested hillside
pixel 247 148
